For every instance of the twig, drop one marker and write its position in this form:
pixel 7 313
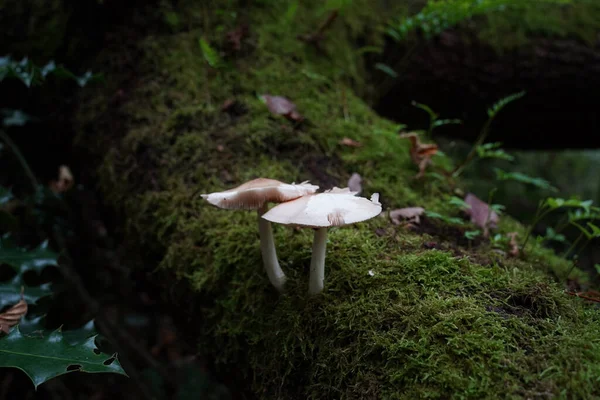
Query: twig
pixel 582 295
pixel 315 38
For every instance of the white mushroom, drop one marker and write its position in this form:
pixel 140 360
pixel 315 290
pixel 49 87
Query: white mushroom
pixel 335 207
pixel 255 195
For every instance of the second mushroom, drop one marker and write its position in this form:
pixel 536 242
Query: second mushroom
pixel 321 211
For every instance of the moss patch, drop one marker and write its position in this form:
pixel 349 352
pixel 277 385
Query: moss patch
pixel 397 320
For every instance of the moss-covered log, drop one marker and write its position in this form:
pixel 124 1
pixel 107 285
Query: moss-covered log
pixel 403 315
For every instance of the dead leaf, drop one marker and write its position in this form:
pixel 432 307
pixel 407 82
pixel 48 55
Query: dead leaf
pixel 13 315
pixel 227 104
pixel 420 153
pixel 354 183
pixel 410 214
pixel 234 37
pixel 65 180
pixel 514 246
pixel 280 105
pixel 481 214
pixel 350 142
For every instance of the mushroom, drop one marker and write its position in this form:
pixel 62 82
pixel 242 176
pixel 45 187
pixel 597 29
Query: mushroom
pixel 335 207
pixel 254 195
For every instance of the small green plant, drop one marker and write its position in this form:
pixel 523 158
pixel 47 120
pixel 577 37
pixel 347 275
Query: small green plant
pixel 552 235
pixel 434 122
pixel 472 234
pixel 551 204
pixel 592 233
pixel 499 241
pixel 444 218
pixel 386 69
pixel 485 130
pixel 526 179
pixel 211 56
pixel 459 203
pixel 493 150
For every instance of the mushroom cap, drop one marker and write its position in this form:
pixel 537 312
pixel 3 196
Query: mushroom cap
pixel 335 207
pixel 254 194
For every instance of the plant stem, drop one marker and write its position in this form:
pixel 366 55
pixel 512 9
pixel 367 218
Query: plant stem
pixel 563 223
pixel 480 139
pixel 538 216
pixel 580 250
pixel 268 251
pixel 317 262
pixel 15 149
pixel 573 246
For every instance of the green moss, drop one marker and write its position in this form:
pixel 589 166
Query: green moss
pixel 513 28
pixel 396 320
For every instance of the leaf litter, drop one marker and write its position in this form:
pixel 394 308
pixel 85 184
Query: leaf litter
pixel 13 315
pixel 420 153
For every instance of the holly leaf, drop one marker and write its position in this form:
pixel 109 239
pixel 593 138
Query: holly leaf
pixel 10 292
pixel 22 260
pixel 44 358
pixel 5 195
pixel 80 335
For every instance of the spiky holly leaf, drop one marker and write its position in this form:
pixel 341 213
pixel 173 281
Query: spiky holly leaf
pixel 43 358
pixel 5 195
pixel 81 334
pixel 23 260
pixel 10 292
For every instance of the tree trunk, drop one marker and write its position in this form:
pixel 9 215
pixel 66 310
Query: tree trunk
pixel 401 315
pixel 459 76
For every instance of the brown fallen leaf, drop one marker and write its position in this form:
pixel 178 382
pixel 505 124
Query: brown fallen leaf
pixel 280 105
pixel 514 246
pixel 227 104
pixel 350 142
pixel 481 214
pixel 65 180
pixel 234 37
pixel 420 153
pixel 354 183
pixel 13 315
pixel 410 214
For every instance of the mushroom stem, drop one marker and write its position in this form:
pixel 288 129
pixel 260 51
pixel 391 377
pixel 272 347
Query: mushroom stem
pixel 317 262
pixel 269 254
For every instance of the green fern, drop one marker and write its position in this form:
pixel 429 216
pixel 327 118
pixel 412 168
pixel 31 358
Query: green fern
pixel 500 104
pixel 493 150
pixel 520 177
pixel 437 16
pixel 211 56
